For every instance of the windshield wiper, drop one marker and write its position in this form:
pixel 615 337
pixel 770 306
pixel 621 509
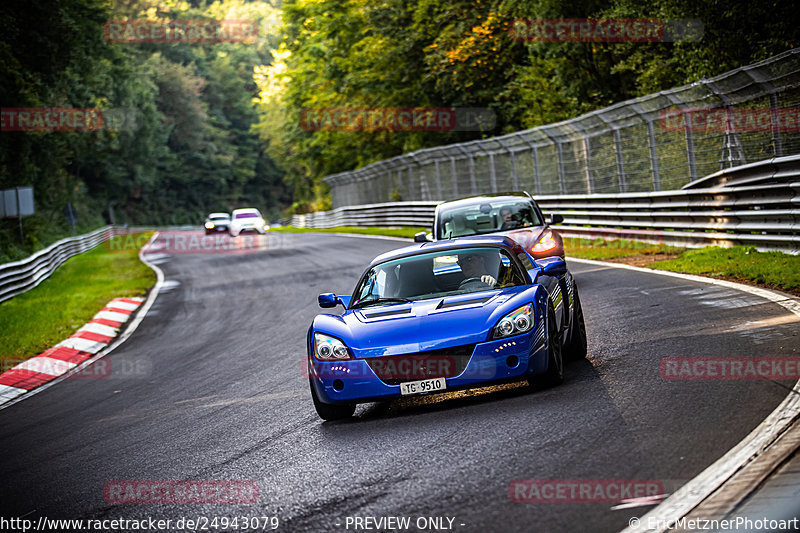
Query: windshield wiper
pixel 380 301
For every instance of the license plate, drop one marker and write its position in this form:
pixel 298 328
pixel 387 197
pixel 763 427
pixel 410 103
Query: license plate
pixel 425 385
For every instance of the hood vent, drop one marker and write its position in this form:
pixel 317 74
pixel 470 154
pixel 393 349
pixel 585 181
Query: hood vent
pixel 462 303
pixel 381 314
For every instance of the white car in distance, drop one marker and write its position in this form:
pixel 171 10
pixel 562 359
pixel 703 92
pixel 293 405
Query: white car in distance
pixel 247 219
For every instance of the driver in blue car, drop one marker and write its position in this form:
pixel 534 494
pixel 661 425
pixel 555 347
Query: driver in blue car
pixel 476 273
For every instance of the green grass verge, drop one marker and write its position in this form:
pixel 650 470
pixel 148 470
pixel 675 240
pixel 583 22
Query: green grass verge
pixel 603 249
pixel 405 231
pixel 773 269
pixel 44 316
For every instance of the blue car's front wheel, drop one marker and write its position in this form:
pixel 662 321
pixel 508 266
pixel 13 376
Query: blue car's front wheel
pixel 327 411
pixel 577 346
pixel 555 361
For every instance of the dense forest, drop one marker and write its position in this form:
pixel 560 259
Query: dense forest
pixel 177 139
pixel 197 127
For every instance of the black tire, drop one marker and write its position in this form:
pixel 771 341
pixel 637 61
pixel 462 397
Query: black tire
pixel 577 346
pixel 555 360
pixel 327 411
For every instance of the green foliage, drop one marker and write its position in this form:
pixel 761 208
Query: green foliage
pixel 184 147
pixel 459 53
pixel 212 127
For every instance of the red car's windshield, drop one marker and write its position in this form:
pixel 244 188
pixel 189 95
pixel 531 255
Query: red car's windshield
pixel 486 217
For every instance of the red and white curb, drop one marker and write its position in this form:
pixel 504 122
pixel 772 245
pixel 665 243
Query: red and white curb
pixel 94 336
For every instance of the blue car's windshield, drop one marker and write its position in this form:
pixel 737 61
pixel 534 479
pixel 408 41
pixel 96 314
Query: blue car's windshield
pixel 486 217
pixel 437 274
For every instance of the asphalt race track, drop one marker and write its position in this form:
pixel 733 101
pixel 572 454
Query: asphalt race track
pixel 211 387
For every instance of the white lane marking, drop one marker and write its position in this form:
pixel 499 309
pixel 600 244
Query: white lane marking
pixel 100 329
pixel 45 365
pixel 639 502
pixel 111 315
pixel 157 259
pixel 709 480
pixel 119 340
pixel 169 285
pixel 123 305
pixel 9 393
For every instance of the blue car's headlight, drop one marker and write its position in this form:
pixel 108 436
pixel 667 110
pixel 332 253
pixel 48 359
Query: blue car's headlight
pixel 518 321
pixel 328 348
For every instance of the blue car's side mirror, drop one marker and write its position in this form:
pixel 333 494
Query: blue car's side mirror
pixel 421 237
pixel 534 273
pixel 328 299
pixel 552 266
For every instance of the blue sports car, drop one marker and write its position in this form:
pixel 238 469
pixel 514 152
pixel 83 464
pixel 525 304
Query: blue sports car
pixel 445 315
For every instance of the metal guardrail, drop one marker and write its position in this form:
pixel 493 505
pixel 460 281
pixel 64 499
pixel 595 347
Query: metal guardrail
pixel 629 147
pixel 419 214
pixel 20 276
pixel 756 204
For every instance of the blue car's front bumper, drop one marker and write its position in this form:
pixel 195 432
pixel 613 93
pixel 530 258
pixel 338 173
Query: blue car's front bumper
pixel 354 381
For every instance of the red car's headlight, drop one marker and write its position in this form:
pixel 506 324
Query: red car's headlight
pixel 547 242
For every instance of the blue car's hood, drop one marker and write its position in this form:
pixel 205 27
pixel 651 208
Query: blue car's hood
pixel 423 325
